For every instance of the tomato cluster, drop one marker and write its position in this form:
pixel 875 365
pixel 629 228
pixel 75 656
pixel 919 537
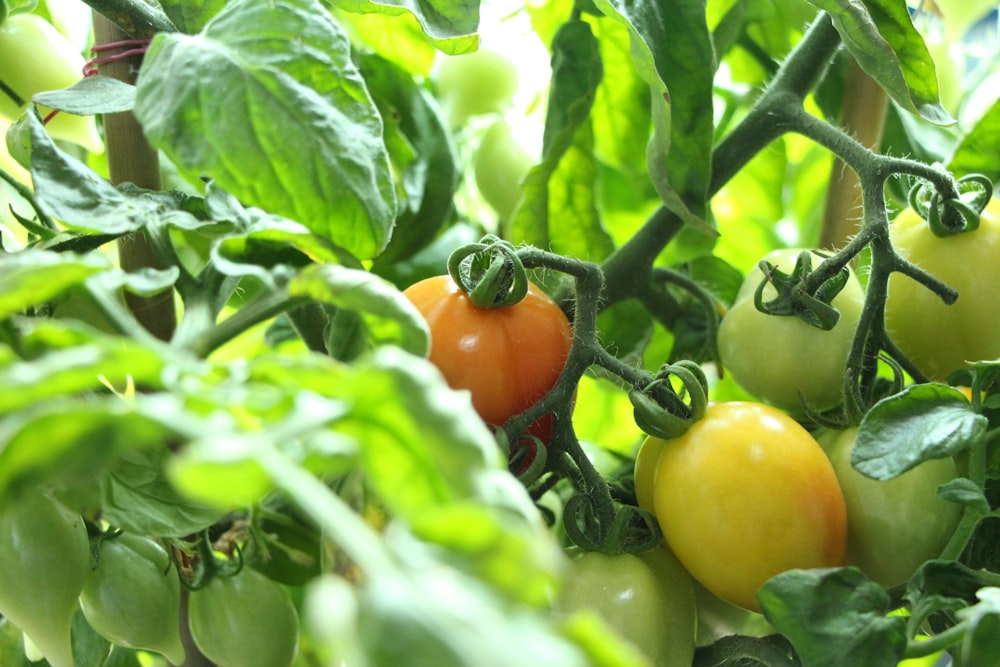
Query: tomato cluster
pixel 130 593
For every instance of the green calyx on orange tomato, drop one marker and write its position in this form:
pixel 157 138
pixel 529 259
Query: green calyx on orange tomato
pixel 778 357
pixel 744 494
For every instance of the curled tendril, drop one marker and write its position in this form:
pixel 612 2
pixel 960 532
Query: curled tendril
pixel 660 411
pixel 947 217
pixel 528 459
pixel 489 272
pixel 813 309
pixel 631 530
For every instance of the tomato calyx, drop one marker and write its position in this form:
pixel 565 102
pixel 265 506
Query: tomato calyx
pixel 629 529
pixel 793 296
pixel 489 272
pixel 660 410
pixel 948 216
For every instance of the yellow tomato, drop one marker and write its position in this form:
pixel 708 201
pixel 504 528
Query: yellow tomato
pixel 747 493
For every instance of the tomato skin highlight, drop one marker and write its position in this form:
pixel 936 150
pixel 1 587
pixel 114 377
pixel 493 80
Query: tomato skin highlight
pixel 747 493
pixel 245 620
pixel 773 357
pixel 936 337
pixel 896 524
pixel 132 597
pixel 45 558
pixel 507 358
pixel 647 598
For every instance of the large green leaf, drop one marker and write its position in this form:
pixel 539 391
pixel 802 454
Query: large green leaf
pixel 978 150
pixel 922 422
pixel 266 101
pixel 450 24
pixel 834 617
pixel 558 207
pixel 882 38
pixel 190 17
pixel 387 315
pixel 33 276
pixel 673 52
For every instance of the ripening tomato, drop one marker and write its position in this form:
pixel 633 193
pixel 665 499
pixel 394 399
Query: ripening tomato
pixel 747 493
pixel 895 524
pixel 508 358
pixel 774 357
pixel 936 337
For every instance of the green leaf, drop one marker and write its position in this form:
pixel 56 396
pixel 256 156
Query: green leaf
pixel 70 360
pixel 137 497
pixel 81 439
pixel 431 177
pixel 884 42
pixel 965 492
pixel 924 421
pixel 290 86
pixel 451 24
pixel 190 17
pixel 31 277
pixel 976 153
pixel 558 207
pixel 72 192
pixel 834 617
pixel 673 52
pixel 389 317
pixel 941 585
pixel 981 645
pixel 89 96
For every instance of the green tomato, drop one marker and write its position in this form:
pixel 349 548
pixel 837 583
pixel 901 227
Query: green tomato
pixel 949 63
pixel 893 525
pixel 132 597
pixel 475 84
pixel 500 163
pixel 35 57
pixel 648 599
pixel 245 620
pixel 775 357
pixel 936 337
pixel 45 557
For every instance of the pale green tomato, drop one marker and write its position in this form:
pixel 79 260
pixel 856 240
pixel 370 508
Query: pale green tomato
pixel 35 57
pixel 774 357
pixel 893 525
pixel 474 84
pixel 501 162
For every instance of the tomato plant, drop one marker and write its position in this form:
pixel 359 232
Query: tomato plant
pixel 937 337
pixel 648 598
pixel 747 493
pixel 244 620
pixel 132 596
pixel 35 57
pixel 507 358
pixel 778 357
pixel 893 525
pixel 45 557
